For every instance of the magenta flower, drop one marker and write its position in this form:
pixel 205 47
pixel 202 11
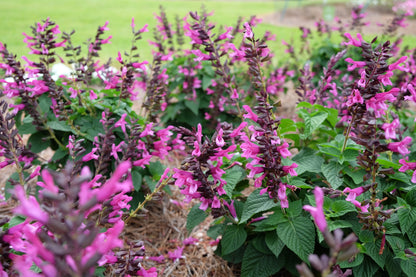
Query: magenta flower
pixel 291 169
pixel 29 206
pixel 395 65
pixel 91 156
pixel 250 114
pixel 113 185
pixel 248 33
pixel 401 146
pixel 176 254
pixel 408 166
pixel 352 41
pixel 390 129
pixel 354 97
pixel 121 122
pixel 189 241
pixel 318 212
pixel 231 208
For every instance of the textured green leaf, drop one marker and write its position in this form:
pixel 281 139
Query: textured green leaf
pixel 372 250
pixel 356 176
pixel 274 243
pixel 287 125
pixel 407 216
pixel 411 197
pixel 313 122
pixel 307 160
pixel 408 267
pixel 256 203
pixel 59 125
pixel 411 233
pixel 27 128
pixel 137 179
pixel 233 238
pixel 366 269
pixel 340 207
pixel 329 149
pixel 193 105
pixel 355 261
pixel 331 173
pixel 156 169
pixel 397 244
pixel 195 217
pixel 232 177
pixel 37 141
pixel 298 235
pixel 257 264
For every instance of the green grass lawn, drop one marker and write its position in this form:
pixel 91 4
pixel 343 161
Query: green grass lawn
pixel 84 16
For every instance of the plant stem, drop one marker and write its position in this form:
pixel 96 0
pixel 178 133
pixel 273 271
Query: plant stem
pixel 147 199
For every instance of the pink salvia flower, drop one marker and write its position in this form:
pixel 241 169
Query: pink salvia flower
pixel 176 254
pixel 248 33
pixel 29 206
pixel 352 41
pixel 291 169
pixel 354 97
pixel 401 146
pixel 318 212
pixel 219 140
pixel 250 114
pixel 390 129
pixel 121 122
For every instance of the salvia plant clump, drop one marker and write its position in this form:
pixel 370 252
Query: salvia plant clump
pixel 328 191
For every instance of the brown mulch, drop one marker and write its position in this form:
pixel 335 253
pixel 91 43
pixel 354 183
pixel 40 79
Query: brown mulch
pixel 162 228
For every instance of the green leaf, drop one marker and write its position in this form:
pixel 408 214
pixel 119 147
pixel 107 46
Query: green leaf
pixel 304 105
pixel 307 160
pixel 393 266
pixel 411 197
pixel 156 169
pixel 274 243
pixel 206 82
pixel 215 231
pixel 397 244
pixel 366 269
pixel 195 217
pixel 411 233
pixel 232 177
pixel 341 207
pixel 355 262
pixel 407 216
pixel 408 266
pixel 298 235
pixel 313 122
pixel 299 183
pixel 372 250
pixel 38 142
pixel 356 176
pixel 15 220
pixel 287 125
pixel 331 173
pixel 329 149
pixel 150 182
pixel 137 179
pixel 27 128
pixel 59 154
pixel 256 203
pixel 193 105
pixel 59 125
pixel 366 236
pixel 233 238
pixel 257 264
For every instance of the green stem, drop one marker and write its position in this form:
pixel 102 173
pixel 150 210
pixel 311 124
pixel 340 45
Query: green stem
pixel 147 199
